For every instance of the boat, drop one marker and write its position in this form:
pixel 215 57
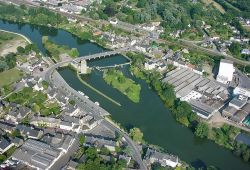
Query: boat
pixel 97 103
pixel 87 97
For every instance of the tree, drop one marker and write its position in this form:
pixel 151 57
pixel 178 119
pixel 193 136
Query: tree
pixel 10 59
pixel 20 50
pixel 235 48
pixel 2 158
pixel 136 135
pixel 246 155
pixel 3 66
pixel 201 130
pixel 91 153
pixel 45 84
pixel 81 139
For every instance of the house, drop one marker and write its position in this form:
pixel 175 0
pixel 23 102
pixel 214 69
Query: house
pixel 5 145
pixel 29 131
pixel 150 65
pixel 45 121
pixel 226 71
pixel 245 51
pixel 152 156
pixel 168 55
pixel 99 142
pixel 113 21
pixel 17 141
pixel 126 158
pixel 72 165
pixel 7 127
pixel 18 113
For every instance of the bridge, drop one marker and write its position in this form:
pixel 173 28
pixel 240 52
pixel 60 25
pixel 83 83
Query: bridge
pixel 78 59
pixel 103 54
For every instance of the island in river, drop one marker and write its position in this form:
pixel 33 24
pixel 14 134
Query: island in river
pixel 125 85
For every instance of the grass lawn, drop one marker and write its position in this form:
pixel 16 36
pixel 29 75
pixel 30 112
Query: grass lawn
pixel 123 84
pixel 9 76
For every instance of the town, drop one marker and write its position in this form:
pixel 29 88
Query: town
pixel 46 123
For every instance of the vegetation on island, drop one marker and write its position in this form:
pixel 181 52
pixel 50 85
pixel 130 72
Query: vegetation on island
pixel 56 50
pixel 125 85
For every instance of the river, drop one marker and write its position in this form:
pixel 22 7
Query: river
pixel 150 114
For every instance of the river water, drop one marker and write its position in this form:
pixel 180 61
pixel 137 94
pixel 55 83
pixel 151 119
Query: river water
pixel 150 114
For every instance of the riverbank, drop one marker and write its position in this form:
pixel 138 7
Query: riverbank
pixel 21 35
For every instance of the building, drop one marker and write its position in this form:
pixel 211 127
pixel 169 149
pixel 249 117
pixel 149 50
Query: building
pixel 238 102
pixel 243 87
pixel 150 65
pixel 245 51
pixel 5 145
pixel 205 96
pixel 45 121
pixel 238 109
pixel 226 71
pixel 99 142
pixel 163 159
pixel 29 131
pixel 36 154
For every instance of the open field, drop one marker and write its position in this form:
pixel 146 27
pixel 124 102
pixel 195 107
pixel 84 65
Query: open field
pixel 9 42
pixel 9 76
pixel 215 4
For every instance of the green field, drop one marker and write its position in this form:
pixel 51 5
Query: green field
pixel 9 76
pixel 125 85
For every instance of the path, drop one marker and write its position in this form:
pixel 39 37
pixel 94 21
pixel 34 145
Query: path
pixel 27 39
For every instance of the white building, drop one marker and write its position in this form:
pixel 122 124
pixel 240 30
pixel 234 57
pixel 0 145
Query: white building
pixel 150 65
pixel 243 87
pixel 226 71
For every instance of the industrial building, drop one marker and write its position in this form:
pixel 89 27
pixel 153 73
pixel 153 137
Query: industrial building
pixel 205 96
pixel 226 71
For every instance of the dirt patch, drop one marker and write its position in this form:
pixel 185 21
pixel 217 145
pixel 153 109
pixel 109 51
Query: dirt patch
pixel 11 46
pixel 215 4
